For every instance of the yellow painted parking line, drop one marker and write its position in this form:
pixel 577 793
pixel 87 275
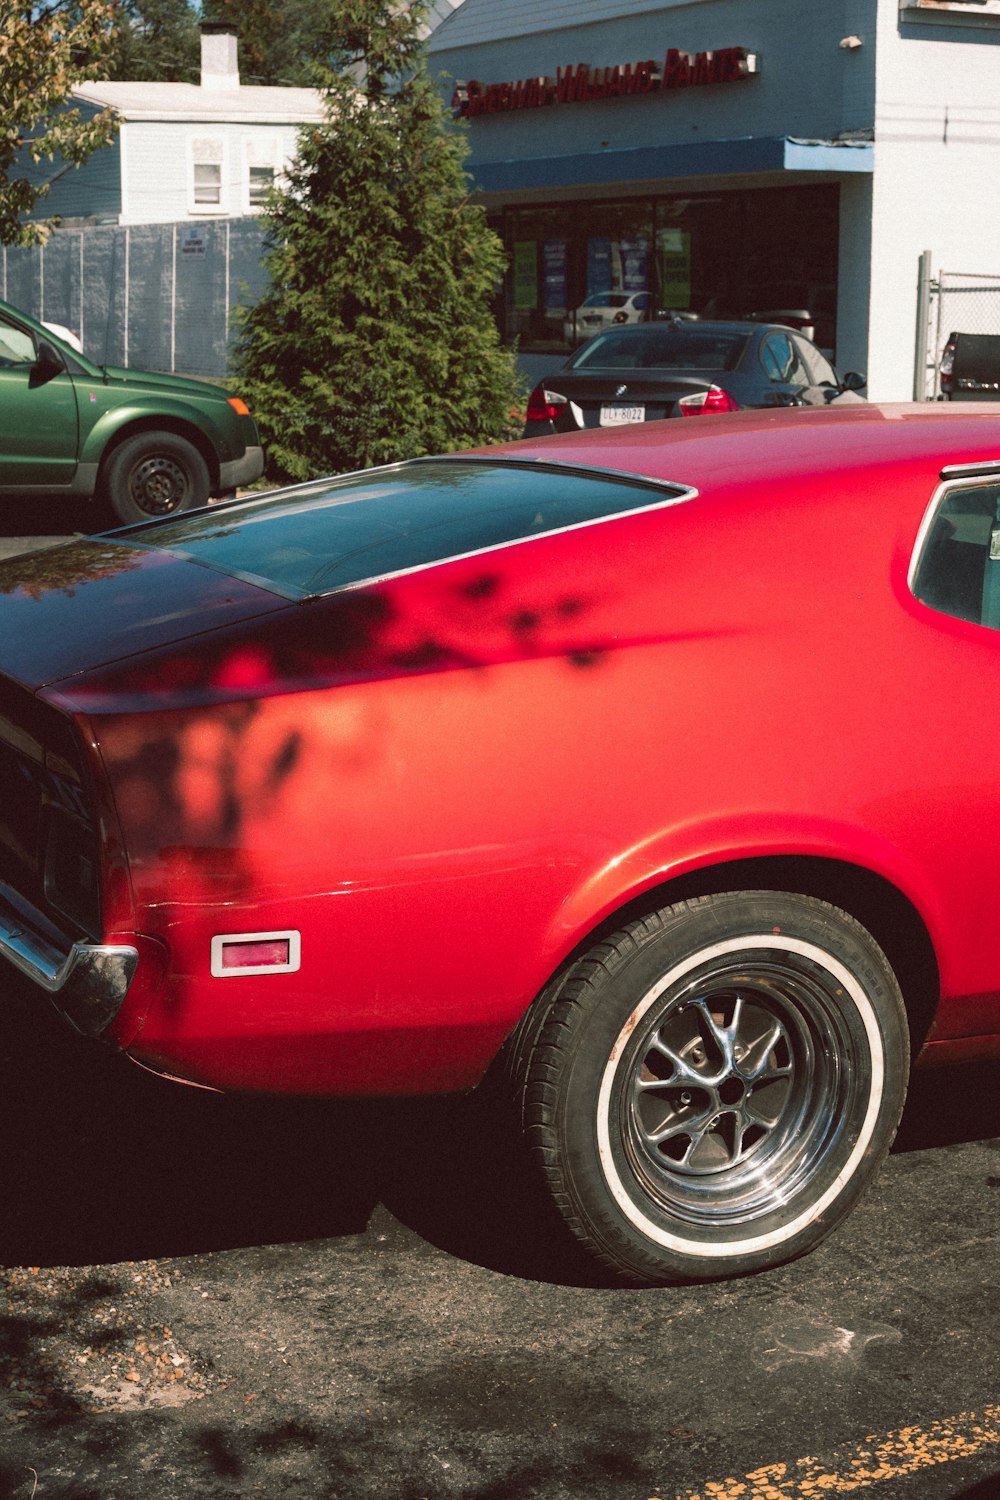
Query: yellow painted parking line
pixel 849 1470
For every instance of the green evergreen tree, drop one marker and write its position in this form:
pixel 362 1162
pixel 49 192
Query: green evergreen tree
pixel 376 338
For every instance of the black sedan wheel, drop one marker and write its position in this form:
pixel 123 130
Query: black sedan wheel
pixel 711 1089
pixel 155 474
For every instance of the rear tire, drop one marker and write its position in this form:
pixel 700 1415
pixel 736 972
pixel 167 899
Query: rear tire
pixel 155 474
pixel 708 1092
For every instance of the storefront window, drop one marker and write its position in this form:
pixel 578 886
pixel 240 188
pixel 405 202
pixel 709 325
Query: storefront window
pixel 576 268
pixel 566 264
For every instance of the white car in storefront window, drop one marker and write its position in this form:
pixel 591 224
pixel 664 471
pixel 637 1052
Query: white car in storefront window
pixel 602 310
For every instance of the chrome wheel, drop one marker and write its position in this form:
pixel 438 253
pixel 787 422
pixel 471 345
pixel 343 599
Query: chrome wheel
pixel 710 1089
pixel 733 1092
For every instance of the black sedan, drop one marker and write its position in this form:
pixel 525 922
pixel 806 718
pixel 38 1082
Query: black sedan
pixel 684 368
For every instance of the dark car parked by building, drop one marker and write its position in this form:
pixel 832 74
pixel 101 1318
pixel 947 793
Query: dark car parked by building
pixel 970 367
pixel 682 368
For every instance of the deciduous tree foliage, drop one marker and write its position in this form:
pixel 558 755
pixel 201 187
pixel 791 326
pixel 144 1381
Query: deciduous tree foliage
pixel 376 339
pixel 156 39
pixel 43 53
pixel 280 40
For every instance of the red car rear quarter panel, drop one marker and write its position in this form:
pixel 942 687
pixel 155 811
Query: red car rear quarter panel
pixel 446 804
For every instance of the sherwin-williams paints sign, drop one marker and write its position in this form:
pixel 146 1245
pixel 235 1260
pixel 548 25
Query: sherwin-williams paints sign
pixel 582 83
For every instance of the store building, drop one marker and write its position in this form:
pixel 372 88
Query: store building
pixel 732 158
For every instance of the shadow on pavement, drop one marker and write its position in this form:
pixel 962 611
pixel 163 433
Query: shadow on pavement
pixel 104 1163
pixel 949 1105
pixel 50 516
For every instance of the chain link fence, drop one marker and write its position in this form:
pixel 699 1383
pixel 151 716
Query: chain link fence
pixel 953 302
pixel 155 296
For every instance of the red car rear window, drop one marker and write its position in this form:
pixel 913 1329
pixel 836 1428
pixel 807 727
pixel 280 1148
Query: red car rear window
pixel 327 535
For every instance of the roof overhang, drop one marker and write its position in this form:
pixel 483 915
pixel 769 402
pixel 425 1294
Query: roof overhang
pixel 747 156
pixel 186 104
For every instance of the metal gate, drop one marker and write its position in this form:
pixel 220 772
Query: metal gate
pixel 952 302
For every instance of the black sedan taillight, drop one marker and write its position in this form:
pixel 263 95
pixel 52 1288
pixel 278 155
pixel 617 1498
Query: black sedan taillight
pixel 704 403
pixel 544 405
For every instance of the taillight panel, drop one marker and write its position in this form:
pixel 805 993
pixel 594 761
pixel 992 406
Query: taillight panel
pixel 705 403
pixel 545 405
pixel 49 825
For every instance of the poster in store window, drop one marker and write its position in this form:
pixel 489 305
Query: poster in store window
pixel 525 275
pixel 599 265
pixel 554 257
pixel 675 267
pixel 635 265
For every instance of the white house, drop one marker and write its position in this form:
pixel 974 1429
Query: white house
pixel 184 151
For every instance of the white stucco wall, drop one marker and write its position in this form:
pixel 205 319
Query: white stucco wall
pixel 937 156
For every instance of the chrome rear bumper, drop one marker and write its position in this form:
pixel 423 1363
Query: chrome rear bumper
pixel 88 982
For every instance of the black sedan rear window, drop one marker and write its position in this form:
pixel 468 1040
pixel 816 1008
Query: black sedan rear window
pixel 328 535
pixel 670 346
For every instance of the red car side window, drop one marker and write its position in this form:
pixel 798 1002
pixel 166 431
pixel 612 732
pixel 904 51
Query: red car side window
pixel 958 567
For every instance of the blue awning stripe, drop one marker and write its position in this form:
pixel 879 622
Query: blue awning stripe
pixel 752 154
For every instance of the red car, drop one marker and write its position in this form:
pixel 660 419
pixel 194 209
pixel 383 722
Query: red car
pixel 659 764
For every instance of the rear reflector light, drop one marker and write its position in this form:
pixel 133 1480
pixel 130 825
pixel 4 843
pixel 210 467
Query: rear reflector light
pixel 947 366
pixel 544 406
pixel 255 953
pixel 239 407
pixel 703 402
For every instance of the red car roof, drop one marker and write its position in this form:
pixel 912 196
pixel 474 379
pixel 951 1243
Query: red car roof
pixel 758 444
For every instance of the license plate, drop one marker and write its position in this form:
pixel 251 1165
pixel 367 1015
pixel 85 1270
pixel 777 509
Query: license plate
pixel 617 416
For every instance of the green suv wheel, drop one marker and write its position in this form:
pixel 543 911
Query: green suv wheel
pixel 155 474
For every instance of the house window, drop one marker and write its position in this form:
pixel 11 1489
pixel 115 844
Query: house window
pixel 262 160
pixel 261 182
pixel 207 158
pixel 207 182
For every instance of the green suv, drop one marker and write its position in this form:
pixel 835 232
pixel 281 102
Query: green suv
pixel 146 444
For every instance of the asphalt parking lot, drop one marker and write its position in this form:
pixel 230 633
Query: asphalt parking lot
pixel 231 1298
pixel 228 1298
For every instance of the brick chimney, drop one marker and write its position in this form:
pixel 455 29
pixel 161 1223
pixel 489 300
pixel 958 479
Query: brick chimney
pixel 220 69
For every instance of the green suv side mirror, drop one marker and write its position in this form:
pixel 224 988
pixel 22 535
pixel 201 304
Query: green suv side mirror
pixel 48 364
